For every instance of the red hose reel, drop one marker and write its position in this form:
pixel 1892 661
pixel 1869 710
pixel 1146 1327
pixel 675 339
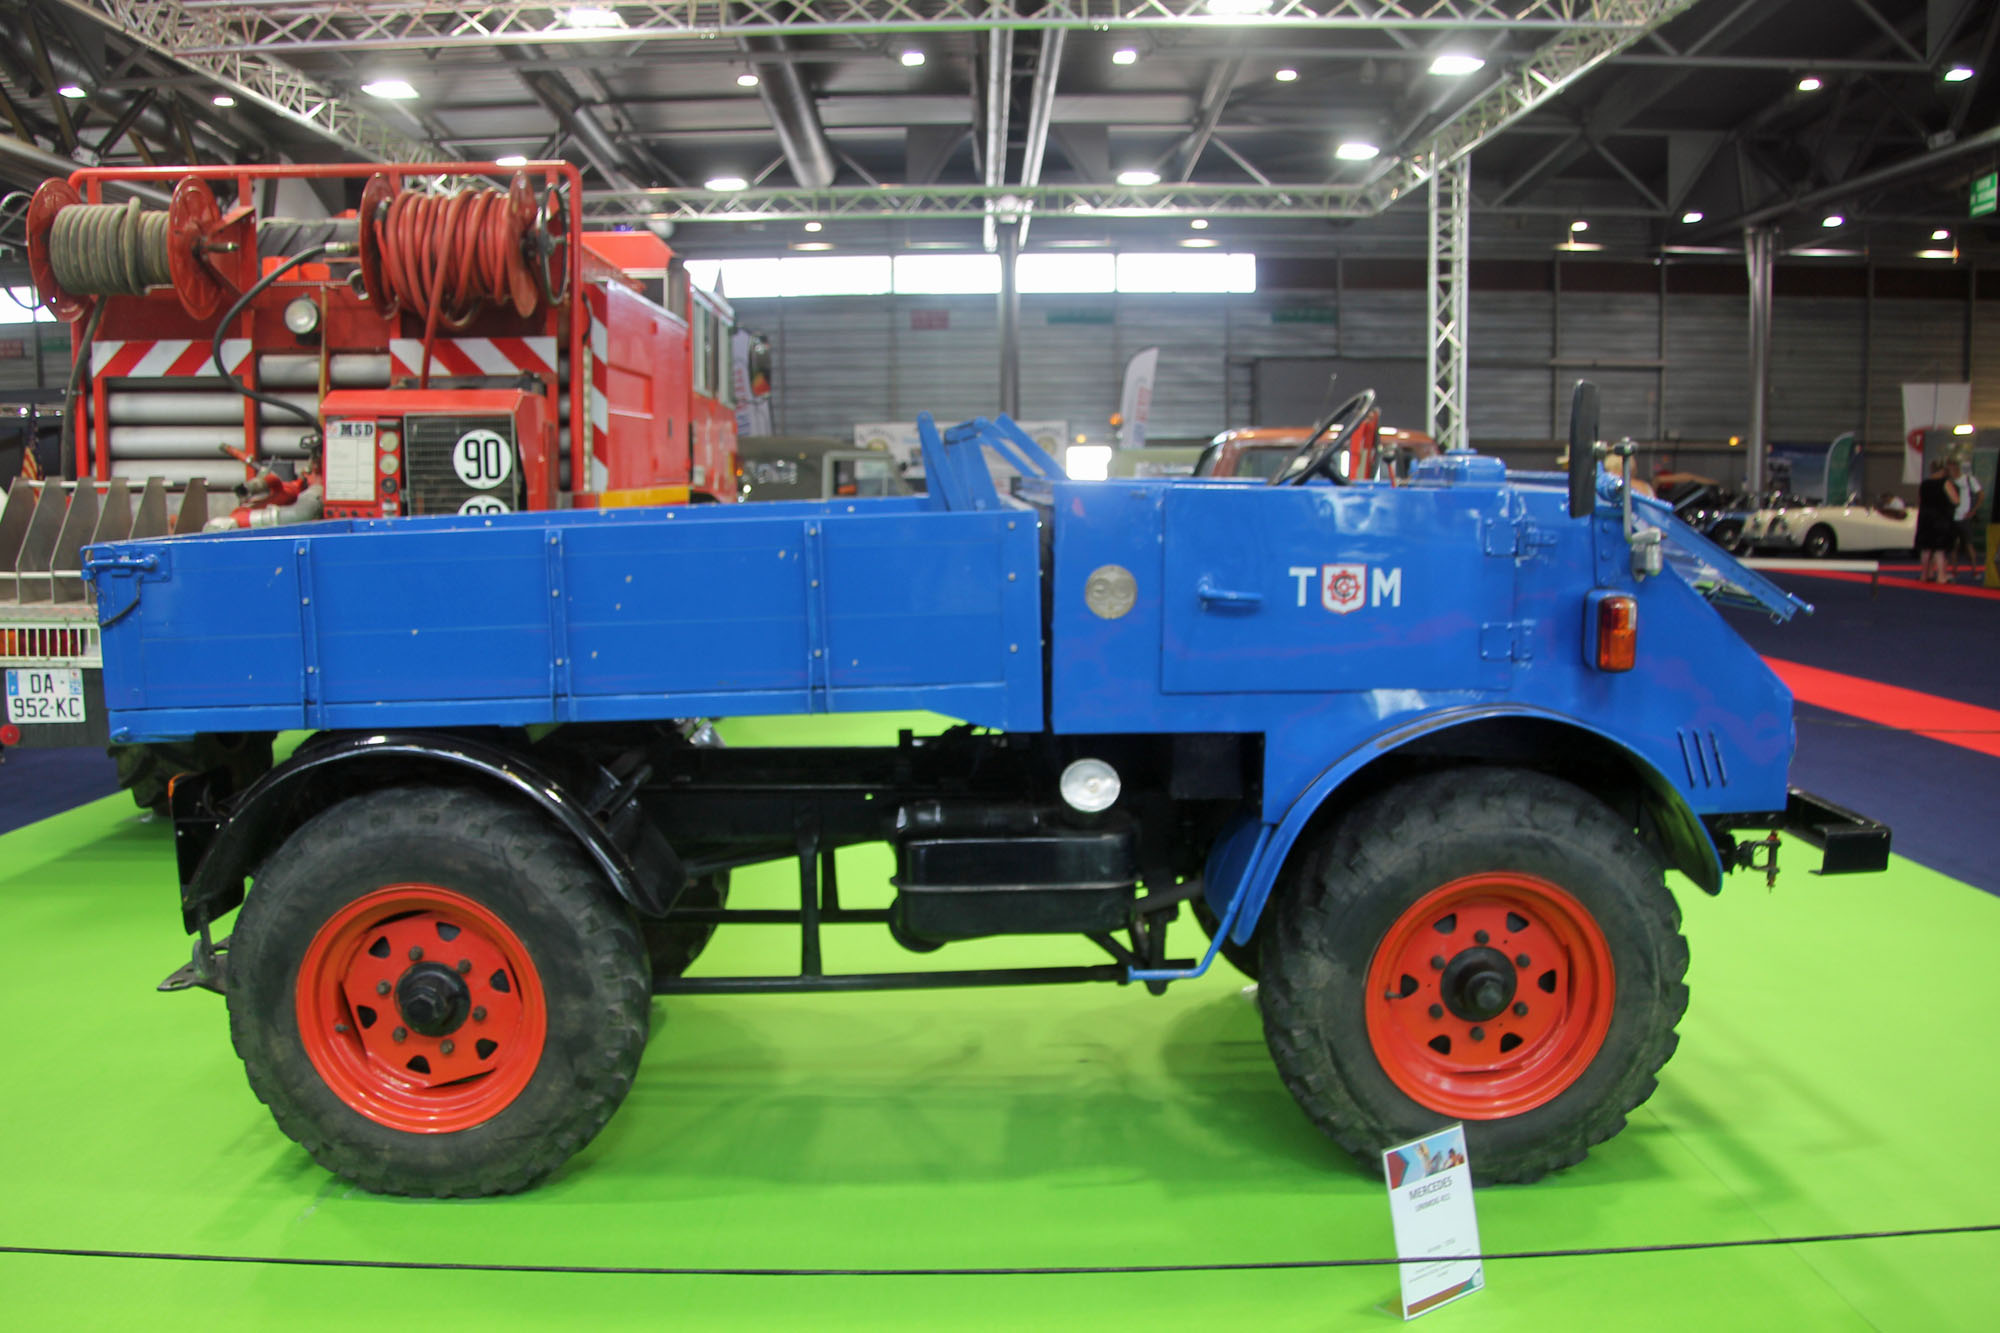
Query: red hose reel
pixel 200 250
pixel 441 258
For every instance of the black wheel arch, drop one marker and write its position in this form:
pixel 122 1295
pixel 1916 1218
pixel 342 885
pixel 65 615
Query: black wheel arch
pixel 331 768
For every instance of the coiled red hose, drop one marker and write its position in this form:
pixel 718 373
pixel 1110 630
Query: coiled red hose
pixel 443 258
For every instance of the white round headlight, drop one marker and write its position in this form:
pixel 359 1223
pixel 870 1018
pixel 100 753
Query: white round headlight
pixel 302 316
pixel 1090 785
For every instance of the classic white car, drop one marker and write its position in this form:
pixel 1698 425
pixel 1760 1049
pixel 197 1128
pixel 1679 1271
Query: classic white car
pixel 1821 530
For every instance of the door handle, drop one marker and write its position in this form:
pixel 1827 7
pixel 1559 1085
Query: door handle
pixel 1227 598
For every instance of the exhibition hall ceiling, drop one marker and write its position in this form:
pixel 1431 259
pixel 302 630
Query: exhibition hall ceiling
pixel 1289 126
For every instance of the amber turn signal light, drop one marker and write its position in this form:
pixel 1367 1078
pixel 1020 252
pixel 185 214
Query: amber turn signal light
pixel 1617 632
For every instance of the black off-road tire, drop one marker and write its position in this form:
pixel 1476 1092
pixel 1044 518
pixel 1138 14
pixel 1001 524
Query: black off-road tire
pixel 1243 957
pixel 582 941
pixel 147 770
pixel 1339 897
pixel 672 948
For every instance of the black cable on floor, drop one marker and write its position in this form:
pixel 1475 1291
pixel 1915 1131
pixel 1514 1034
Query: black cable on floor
pixel 1255 1265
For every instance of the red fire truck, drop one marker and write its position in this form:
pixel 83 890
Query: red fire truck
pixel 416 354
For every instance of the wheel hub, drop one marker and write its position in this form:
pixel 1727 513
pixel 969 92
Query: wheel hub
pixel 1479 984
pixel 433 1000
pixel 421 1009
pixel 1489 995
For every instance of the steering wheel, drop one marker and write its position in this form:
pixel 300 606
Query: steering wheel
pixel 1316 455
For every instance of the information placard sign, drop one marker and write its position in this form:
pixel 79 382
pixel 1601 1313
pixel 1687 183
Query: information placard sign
pixel 1430 1206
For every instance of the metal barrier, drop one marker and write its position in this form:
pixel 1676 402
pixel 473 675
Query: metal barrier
pixel 1872 568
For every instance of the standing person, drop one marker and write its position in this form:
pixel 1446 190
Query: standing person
pixel 1937 498
pixel 1965 527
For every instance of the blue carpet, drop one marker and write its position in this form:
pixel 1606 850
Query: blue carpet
pixel 35 784
pixel 1920 640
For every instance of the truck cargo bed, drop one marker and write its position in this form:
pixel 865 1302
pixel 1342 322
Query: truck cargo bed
pixel 570 616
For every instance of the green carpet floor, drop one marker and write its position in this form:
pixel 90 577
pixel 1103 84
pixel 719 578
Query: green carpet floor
pixel 1835 1074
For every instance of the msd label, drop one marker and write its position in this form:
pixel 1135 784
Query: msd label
pixel 1345 588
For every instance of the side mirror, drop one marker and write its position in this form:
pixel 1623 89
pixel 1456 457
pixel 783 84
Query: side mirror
pixel 1583 450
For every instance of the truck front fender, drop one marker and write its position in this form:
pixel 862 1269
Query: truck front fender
pixel 1684 840
pixel 330 770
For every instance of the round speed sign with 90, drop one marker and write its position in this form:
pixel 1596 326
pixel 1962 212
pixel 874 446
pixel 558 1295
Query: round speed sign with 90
pixel 483 459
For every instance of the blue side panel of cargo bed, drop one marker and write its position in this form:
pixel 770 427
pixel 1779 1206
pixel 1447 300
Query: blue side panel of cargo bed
pixel 609 615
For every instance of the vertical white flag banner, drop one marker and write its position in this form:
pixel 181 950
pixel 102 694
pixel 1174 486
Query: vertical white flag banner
pixel 1927 405
pixel 1430 1206
pixel 1136 403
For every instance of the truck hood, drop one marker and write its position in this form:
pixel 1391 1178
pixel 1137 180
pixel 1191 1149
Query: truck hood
pixel 1710 570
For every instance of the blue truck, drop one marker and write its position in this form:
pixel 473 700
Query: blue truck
pixel 1416 754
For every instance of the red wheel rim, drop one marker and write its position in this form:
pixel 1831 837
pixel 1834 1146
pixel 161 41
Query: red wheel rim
pixel 368 975
pixel 1450 955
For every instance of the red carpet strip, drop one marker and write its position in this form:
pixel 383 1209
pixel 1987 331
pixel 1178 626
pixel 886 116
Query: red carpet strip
pixel 1965 725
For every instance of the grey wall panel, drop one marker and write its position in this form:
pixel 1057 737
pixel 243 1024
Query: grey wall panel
pixel 952 372
pixel 1511 326
pixel 1614 326
pixel 832 363
pixel 1910 342
pixel 1505 403
pixel 1192 335
pixel 1071 371
pixel 18 371
pixel 846 359
pixel 1283 324
pixel 1290 325
pixel 1383 323
pixel 1708 367
pixel 1816 367
pixel 1629 399
pixel 1986 362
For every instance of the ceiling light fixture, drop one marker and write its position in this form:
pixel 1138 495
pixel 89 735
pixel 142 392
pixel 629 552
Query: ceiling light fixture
pixel 1692 216
pixel 223 99
pixel 1940 235
pixel 511 160
pixel 1579 225
pixel 814 226
pixel 1958 74
pixel 1833 220
pixel 1354 150
pixel 1125 55
pixel 1964 428
pixel 725 183
pixel 71 91
pixel 1286 75
pixel 1199 242
pixel 1239 8
pixel 911 58
pixel 747 80
pixel 390 90
pixel 1811 83
pixel 1452 64
pixel 592 16
pixel 812 245
pixel 1138 176
pixel 1199 224
pixel 1937 254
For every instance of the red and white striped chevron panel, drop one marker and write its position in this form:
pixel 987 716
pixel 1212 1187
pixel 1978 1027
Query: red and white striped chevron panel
pixel 158 358
pixel 597 471
pixel 474 356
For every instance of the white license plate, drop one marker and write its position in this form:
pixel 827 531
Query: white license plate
pixel 36 694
